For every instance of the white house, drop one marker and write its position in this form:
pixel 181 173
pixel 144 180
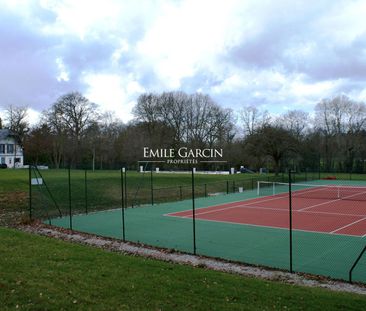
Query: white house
pixel 11 152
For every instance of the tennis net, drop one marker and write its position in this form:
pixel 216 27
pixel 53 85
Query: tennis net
pixel 311 191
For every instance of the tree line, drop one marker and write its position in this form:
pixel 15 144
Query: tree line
pixel 74 132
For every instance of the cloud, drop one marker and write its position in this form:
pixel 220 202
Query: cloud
pixel 277 54
pixel 114 93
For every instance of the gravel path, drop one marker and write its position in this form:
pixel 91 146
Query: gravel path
pixel 197 261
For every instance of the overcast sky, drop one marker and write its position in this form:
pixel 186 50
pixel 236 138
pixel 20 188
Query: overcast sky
pixel 278 55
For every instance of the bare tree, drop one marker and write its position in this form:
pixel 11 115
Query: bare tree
pixel 76 112
pixel 272 141
pixel 69 118
pixel 16 121
pixel 252 118
pixel 296 121
pixel 340 115
pixel 206 121
pixel 341 120
pixel 195 118
pixel 172 110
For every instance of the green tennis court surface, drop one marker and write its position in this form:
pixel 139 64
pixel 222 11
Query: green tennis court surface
pixel 319 253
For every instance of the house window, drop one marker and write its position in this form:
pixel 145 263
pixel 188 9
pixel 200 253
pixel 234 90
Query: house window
pixel 10 148
pixel 2 148
pixel 2 160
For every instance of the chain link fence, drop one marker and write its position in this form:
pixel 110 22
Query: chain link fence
pixel 289 221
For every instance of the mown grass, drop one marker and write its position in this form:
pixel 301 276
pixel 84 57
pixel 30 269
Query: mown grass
pixel 38 273
pixel 12 180
pixel 104 188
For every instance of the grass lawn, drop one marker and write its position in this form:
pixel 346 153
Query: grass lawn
pixel 38 273
pixel 11 180
pixel 104 189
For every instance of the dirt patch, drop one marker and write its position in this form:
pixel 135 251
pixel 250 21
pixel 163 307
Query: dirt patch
pixel 13 207
pixel 15 199
pixel 197 261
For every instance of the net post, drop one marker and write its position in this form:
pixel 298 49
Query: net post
pixel 123 205
pixel 258 185
pixel 205 190
pixel 193 214
pixel 86 190
pixel 70 212
pixel 30 190
pixel 290 216
pixel 273 188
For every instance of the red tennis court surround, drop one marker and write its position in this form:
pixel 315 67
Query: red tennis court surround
pixel 325 213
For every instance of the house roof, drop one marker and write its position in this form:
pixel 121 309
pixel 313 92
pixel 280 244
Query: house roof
pixel 5 133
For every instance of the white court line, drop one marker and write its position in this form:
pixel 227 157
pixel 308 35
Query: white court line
pixel 269 208
pixel 332 201
pixel 311 206
pixel 229 207
pixel 269 198
pixel 299 211
pixel 264 226
pixel 264 208
pixel 351 224
pixel 275 197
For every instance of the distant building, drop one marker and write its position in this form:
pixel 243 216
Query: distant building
pixel 11 152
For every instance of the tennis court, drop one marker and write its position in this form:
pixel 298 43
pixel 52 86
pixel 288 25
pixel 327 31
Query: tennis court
pixel 330 209
pixel 328 221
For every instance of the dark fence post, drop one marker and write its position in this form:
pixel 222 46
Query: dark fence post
pixel 355 264
pixel 30 191
pixel 70 212
pixel 180 193
pixel 290 215
pixel 152 186
pixel 227 187
pixel 306 174
pixel 86 191
pixel 205 190
pixel 193 214
pixel 123 206
pixel 126 201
